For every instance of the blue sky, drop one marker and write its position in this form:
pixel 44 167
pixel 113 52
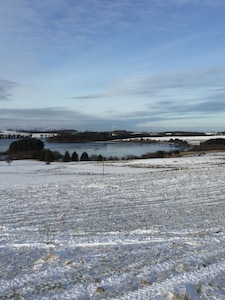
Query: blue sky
pixel 147 65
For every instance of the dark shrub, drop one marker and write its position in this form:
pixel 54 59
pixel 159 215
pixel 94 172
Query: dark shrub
pixel 157 154
pixel 100 158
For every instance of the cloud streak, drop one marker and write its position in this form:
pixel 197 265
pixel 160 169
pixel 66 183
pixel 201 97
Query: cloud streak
pixel 53 117
pixel 6 88
pixel 89 97
pixel 63 23
pixel 151 84
pixel 106 62
pixel 70 23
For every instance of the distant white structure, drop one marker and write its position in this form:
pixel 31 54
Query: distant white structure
pixel 19 134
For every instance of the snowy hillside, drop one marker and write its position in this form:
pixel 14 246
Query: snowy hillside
pixel 146 229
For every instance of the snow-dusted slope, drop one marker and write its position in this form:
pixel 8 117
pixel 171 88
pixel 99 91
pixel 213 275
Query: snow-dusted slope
pixel 147 229
pixel 192 140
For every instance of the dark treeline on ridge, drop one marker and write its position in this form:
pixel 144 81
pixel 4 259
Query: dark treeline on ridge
pixel 89 136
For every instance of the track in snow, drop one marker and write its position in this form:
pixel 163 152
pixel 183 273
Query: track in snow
pixel 151 233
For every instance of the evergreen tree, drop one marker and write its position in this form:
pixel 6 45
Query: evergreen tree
pixel 49 157
pixel 66 157
pixel 74 156
pixel 84 156
pixel 42 155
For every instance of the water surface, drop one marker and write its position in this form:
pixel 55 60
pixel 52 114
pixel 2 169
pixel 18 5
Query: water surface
pixel 107 149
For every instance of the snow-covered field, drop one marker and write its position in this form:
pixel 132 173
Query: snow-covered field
pixel 192 140
pixel 146 229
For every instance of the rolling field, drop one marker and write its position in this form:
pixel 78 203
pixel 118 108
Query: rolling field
pixel 146 229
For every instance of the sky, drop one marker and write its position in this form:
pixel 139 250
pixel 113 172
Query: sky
pixel 146 65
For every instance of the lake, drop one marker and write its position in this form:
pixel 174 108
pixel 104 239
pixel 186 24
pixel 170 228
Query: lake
pixel 107 149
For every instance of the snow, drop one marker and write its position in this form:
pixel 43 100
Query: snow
pixel 192 140
pixel 141 229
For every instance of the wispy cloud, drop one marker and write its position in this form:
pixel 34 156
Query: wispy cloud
pixel 174 94
pixel 70 23
pixel 196 92
pixel 61 23
pixel 89 97
pixel 6 88
pixel 129 60
pixel 54 117
pixel 158 83
pixel 60 118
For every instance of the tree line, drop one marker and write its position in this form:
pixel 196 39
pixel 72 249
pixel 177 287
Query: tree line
pixel 32 148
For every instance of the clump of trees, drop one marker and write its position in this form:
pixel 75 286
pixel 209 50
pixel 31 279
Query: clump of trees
pixel 179 142
pixel 157 154
pixel 212 144
pixel 74 157
pixel 80 137
pixel 84 157
pixel 31 148
pixel 25 148
pixel 25 145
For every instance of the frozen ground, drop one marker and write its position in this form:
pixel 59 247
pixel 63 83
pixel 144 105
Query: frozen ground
pixel 192 140
pixel 147 229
